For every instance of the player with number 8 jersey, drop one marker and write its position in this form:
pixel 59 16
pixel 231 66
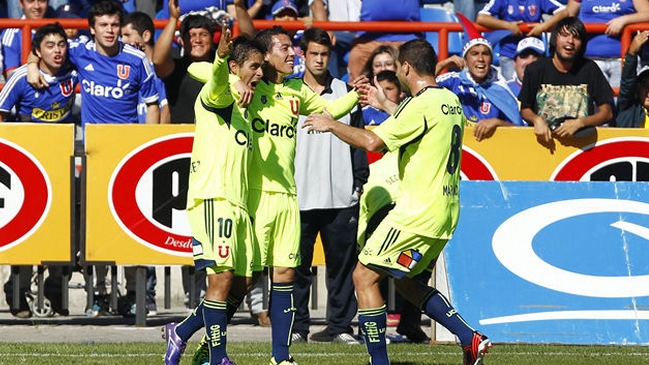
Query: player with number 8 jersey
pixel 426 131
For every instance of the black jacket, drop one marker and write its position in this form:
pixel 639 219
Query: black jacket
pixel 630 112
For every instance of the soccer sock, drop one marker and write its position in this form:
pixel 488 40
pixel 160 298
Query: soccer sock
pixel 216 319
pixel 437 307
pixel 233 305
pixel 191 324
pixel 282 314
pixel 373 323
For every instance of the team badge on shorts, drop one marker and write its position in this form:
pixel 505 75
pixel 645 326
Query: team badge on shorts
pixel 409 258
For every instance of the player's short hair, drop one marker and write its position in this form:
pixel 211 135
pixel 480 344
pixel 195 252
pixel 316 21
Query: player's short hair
pixel 389 76
pixel 105 7
pixel 420 55
pixel 243 47
pixel 574 26
pixel 44 31
pixel 193 21
pixel 265 37
pixel 141 22
pixel 315 35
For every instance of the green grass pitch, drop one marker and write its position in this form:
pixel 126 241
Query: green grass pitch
pixel 141 353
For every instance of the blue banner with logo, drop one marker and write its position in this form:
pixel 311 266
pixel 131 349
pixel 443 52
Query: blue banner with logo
pixel 553 262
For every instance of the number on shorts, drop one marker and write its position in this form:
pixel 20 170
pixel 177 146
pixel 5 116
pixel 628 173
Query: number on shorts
pixel 225 227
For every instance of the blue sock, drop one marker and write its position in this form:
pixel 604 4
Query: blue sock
pixel 191 324
pixel 233 305
pixel 372 323
pixel 282 314
pixel 216 320
pixel 438 308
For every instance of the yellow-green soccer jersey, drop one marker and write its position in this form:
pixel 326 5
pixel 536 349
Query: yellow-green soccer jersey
pixel 222 145
pixel 380 190
pixel 274 110
pixel 426 129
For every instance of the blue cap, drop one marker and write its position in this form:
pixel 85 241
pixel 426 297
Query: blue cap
pixel 282 5
pixel 67 11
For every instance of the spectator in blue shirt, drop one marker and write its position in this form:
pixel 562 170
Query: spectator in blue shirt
pixel 509 14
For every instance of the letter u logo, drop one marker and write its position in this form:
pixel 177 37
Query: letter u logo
pixel 485 108
pixel 123 71
pixel 295 106
pixel 224 251
pixel 66 88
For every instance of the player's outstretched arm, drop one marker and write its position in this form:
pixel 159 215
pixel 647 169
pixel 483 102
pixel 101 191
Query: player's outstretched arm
pixel 219 82
pixel 357 137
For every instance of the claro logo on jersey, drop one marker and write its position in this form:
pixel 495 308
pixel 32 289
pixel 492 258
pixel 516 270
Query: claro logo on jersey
pixel 25 194
pixel 615 159
pixel 275 129
pixel 147 194
pixel 106 91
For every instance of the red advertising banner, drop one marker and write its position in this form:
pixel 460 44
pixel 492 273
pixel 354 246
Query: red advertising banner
pixel 35 199
pixel 136 194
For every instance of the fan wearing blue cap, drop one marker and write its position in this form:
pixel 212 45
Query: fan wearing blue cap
pixel 528 50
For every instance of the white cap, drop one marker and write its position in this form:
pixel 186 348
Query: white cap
pixel 532 43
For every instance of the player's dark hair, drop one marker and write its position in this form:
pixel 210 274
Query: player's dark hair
pixel 106 7
pixel 317 36
pixel 265 37
pixel 574 26
pixel 389 76
pixel 420 55
pixel 193 21
pixel 44 31
pixel 141 22
pixel 243 47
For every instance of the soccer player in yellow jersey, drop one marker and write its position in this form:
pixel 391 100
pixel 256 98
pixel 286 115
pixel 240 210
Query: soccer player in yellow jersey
pixel 426 131
pixel 222 235
pixel 274 111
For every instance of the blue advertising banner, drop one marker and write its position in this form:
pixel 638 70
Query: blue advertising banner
pixel 553 262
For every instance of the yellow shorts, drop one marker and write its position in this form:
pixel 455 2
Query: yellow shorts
pixel 400 253
pixel 223 238
pixel 276 221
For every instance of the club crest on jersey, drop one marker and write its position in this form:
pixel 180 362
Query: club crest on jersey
pixel 510 9
pixel 409 258
pixel 533 10
pixel 485 108
pixel 264 100
pixel 295 106
pixel 67 87
pixel 123 71
pixel 224 251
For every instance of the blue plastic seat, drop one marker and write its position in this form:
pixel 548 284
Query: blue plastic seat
pixel 455 39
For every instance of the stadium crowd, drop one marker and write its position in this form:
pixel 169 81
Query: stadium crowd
pixel 556 81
